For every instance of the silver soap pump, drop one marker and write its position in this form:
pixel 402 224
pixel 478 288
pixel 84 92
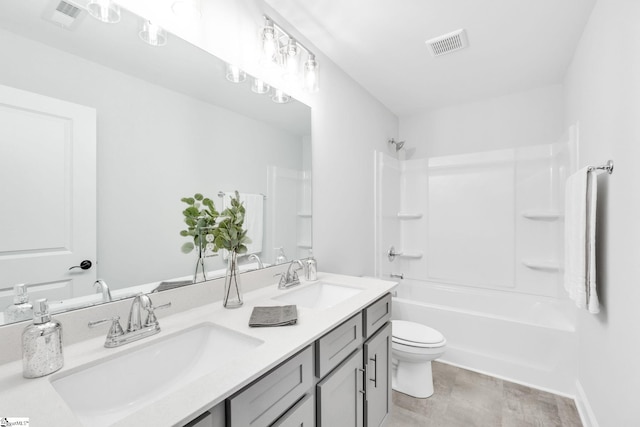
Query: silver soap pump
pixel 21 309
pixel 311 270
pixel 41 343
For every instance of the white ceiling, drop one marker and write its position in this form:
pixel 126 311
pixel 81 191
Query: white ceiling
pixel 514 45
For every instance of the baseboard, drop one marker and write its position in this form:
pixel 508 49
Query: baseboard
pixel 587 416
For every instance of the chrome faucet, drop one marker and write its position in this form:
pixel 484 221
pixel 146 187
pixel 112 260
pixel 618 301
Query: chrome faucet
pixel 136 328
pixel 258 260
pixel 290 278
pixel 101 286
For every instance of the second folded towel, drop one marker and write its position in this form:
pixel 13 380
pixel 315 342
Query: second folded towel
pixel 274 316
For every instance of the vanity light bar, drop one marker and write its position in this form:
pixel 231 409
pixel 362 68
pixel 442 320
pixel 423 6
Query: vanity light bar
pixel 283 37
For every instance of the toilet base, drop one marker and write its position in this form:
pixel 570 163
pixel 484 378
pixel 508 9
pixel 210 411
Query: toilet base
pixel 413 379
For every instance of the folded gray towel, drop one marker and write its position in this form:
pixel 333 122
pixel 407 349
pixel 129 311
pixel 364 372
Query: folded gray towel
pixel 163 286
pixel 274 316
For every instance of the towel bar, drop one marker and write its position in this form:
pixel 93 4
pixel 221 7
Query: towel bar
pixel 608 167
pixel 222 193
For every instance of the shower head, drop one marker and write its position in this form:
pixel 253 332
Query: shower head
pixel 398 144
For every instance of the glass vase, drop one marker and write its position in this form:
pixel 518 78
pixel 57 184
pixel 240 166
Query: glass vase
pixel 232 292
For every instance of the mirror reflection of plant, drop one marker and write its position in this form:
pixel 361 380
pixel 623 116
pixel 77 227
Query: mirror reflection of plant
pixel 200 217
pixel 229 234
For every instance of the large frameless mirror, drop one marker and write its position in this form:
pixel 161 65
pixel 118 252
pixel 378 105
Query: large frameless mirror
pixel 102 135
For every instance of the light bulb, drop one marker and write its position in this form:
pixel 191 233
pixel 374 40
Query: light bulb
pixel 259 86
pixel 269 40
pixel 235 74
pixel 279 97
pixel 291 60
pixel 153 34
pixel 104 10
pixel 311 74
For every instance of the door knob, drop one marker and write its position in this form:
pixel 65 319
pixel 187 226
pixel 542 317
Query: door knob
pixel 84 265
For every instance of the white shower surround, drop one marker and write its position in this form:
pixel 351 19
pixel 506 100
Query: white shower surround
pixel 500 316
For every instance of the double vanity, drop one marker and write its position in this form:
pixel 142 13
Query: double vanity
pixel 207 367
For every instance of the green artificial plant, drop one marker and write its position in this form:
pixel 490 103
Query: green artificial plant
pixel 200 217
pixel 229 233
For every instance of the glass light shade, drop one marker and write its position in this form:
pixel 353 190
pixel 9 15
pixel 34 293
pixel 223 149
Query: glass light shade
pixel 259 86
pixel 235 74
pixel 153 34
pixel 311 75
pixel 291 61
pixel 104 10
pixel 270 48
pixel 279 97
pixel 187 8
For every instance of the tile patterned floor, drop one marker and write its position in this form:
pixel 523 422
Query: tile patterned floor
pixel 464 398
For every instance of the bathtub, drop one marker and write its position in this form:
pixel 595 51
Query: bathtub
pixel 523 338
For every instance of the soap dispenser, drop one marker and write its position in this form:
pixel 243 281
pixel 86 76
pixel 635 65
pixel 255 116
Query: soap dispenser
pixel 311 270
pixel 41 343
pixel 281 258
pixel 21 309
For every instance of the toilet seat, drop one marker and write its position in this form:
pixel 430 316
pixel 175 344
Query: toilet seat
pixel 413 334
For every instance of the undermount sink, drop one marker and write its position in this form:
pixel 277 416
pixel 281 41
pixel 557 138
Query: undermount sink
pixel 102 394
pixel 318 295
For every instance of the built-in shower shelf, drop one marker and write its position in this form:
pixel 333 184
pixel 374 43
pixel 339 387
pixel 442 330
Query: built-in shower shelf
pixel 541 265
pixel 304 214
pixel 411 255
pixel 542 215
pixel 409 215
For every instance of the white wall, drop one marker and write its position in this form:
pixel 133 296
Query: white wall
pixel 520 119
pixel 602 90
pixel 155 146
pixel 348 125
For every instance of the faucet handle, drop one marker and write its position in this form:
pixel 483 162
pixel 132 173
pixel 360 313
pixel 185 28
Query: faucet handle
pixel 151 316
pixel 114 331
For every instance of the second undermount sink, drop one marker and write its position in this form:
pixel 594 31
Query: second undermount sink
pixel 318 295
pixel 104 393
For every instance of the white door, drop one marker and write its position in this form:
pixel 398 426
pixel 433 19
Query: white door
pixel 47 196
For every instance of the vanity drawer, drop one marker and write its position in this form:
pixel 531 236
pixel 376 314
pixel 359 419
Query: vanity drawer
pixel 376 315
pixel 264 401
pixel 336 345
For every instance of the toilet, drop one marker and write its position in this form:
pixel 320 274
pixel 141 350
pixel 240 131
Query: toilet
pixel 413 347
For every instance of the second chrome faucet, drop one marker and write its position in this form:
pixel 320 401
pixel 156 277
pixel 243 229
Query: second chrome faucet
pixel 290 278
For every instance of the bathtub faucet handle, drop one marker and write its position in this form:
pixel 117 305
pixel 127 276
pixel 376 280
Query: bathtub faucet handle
pixel 397 275
pixel 392 254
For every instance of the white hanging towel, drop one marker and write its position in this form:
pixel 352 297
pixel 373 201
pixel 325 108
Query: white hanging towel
pixel 581 194
pixel 253 218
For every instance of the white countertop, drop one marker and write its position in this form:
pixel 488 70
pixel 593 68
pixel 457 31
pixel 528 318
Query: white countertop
pixel 38 400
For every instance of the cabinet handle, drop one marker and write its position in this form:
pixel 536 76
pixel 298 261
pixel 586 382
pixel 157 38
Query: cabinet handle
pixel 375 370
pixel 364 376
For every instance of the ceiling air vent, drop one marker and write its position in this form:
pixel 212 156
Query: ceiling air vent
pixel 448 43
pixel 63 13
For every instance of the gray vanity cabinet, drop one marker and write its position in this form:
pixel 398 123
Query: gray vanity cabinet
pixel 377 356
pixel 340 397
pixel 356 391
pixel 351 386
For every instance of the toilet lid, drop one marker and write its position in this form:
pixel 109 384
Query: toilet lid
pixel 415 334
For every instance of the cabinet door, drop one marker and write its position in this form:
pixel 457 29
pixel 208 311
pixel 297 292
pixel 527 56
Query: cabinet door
pixel 377 354
pixel 301 415
pixel 341 395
